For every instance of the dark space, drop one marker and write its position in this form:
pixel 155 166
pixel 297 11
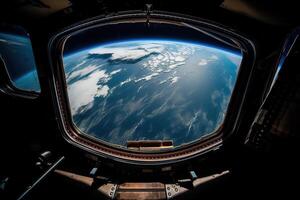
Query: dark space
pixel 254 154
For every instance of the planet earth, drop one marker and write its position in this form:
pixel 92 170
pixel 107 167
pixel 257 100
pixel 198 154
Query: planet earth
pixel 17 54
pixel 28 82
pixel 151 89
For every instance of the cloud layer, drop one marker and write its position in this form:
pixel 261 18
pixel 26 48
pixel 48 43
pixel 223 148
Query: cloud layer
pixel 151 90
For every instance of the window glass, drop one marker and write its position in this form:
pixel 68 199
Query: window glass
pixel 157 86
pixel 17 55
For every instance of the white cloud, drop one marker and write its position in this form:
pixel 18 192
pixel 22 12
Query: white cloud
pixel 202 62
pixel 162 82
pixel 78 65
pixel 179 58
pixel 169 59
pixel 102 91
pixel 176 65
pixel 236 59
pixel 200 118
pixel 214 57
pixel 126 81
pixel 139 89
pixel 193 120
pixel 115 72
pixel 159 57
pixel 147 78
pixel 214 97
pixel 128 53
pixel 174 79
pixel 82 72
pixel 82 92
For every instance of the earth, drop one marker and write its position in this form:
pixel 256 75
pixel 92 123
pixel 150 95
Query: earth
pixel 28 82
pixel 16 51
pixel 150 90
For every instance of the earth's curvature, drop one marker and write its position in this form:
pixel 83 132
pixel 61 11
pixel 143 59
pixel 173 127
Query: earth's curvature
pixel 150 90
pixel 17 55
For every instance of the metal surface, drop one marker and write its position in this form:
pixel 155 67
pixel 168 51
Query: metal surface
pixel 182 153
pixel 31 187
pixel 140 190
pixel 107 189
pixel 173 190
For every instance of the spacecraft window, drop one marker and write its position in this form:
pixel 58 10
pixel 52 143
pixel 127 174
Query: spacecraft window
pixel 17 56
pixel 161 85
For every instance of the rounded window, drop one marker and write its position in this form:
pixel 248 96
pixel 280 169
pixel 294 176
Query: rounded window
pixel 148 89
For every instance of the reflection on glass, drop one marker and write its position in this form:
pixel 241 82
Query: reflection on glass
pixel 16 52
pixel 150 89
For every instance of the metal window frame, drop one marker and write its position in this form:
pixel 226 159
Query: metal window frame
pixel 104 150
pixel 7 86
pixel 6 83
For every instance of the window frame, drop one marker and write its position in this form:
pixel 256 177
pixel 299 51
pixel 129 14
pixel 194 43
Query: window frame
pixel 6 83
pixel 7 86
pixel 107 150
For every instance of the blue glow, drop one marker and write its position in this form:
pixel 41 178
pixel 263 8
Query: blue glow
pixel 185 42
pixel 16 51
pixel 150 89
